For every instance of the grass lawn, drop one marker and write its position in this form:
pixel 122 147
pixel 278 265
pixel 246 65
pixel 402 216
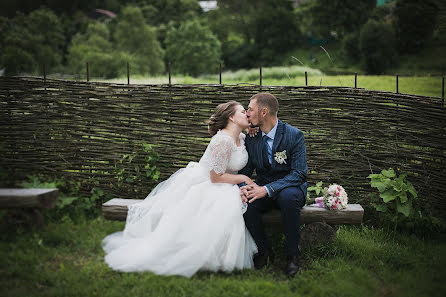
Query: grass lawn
pixel 295 76
pixel 66 259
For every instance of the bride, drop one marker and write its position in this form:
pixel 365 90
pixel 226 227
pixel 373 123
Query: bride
pixel 194 220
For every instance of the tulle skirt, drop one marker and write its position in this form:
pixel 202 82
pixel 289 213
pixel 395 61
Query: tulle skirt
pixel 186 224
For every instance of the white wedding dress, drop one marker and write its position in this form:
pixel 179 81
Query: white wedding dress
pixel 187 223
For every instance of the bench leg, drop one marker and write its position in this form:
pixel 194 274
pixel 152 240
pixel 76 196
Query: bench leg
pixel 29 217
pixel 315 234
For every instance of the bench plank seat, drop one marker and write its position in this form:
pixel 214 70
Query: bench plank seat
pixel 116 209
pixel 28 198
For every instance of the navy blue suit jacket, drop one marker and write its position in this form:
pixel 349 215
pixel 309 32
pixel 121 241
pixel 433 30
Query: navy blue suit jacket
pixel 277 177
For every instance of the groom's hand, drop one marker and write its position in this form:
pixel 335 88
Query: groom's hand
pixel 254 192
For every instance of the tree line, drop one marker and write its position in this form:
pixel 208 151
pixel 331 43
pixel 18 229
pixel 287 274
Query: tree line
pixel 148 34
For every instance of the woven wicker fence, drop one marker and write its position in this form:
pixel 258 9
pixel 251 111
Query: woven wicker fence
pixel 81 130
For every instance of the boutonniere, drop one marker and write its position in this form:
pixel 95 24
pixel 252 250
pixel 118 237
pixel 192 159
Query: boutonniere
pixel 280 157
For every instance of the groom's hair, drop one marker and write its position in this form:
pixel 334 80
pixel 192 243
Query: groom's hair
pixel 267 100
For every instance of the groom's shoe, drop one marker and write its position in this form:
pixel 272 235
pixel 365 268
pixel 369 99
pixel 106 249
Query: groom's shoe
pixel 261 259
pixel 292 266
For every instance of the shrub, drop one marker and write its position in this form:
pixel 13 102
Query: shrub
pixel 415 23
pixel 342 17
pixel 350 47
pixel 29 41
pixel 136 173
pixel 138 41
pixel 377 44
pixel 398 204
pixel 70 203
pixel 94 47
pixel 193 49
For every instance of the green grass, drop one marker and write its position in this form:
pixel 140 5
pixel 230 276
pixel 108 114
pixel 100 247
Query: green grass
pixel 295 76
pixel 66 259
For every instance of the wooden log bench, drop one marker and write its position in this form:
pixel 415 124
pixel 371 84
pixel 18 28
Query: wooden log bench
pixel 318 221
pixel 29 201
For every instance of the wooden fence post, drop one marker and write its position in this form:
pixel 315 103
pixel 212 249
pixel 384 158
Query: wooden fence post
pixel 168 70
pixel 220 73
pixel 260 76
pixel 306 78
pixel 128 73
pixel 356 80
pixel 397 90
pixel 44 76
pixel 88 73
pixel 442 91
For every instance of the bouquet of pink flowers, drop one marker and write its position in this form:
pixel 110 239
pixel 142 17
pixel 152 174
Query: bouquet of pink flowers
pixel 335 198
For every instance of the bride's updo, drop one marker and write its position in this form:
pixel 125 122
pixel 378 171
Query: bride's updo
pixel 220 118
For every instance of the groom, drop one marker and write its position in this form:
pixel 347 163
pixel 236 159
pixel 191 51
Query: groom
pixel 279 157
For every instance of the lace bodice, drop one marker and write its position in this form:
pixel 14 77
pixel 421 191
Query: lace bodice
pixel 222 154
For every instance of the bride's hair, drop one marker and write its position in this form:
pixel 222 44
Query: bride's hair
pixel 220 118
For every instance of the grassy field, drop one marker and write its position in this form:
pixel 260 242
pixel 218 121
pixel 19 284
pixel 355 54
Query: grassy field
pixel 295 76
pixel 66 259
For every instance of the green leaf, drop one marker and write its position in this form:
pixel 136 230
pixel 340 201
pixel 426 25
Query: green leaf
pixel 404 208
pixel 381 185
pixel 403 197
pixel 388 195
pixel 380 207
pixel 388 173
pixel 374 176
pixel 412 190
pixel 64 201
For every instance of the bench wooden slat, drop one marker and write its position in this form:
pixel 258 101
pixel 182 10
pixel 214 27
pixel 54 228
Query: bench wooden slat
pixel 28 198
pixel 116 209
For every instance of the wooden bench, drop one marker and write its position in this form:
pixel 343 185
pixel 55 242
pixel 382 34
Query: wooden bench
pixel 116 209
pixel 318 221
pixel 30 199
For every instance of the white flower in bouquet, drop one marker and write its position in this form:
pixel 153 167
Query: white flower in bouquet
pixel 335 197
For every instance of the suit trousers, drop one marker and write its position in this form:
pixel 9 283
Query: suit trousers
pixel 289 201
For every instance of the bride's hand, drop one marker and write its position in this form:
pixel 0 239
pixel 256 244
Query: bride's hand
pixel 248 181
pixel 252 131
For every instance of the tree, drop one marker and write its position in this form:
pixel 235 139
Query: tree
pixel 193 49
pixel 30 41
pixel 267 28
pixel 158 12
pixel 415 23
pixel 138 40
pixel 340 16
pixel 94 47
pixel 276 31
pixel 378 46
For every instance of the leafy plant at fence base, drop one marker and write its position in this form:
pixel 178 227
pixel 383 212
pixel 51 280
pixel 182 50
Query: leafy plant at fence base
pixel 70 202
pixel 396 195
pixel 137 172
pixel 318 189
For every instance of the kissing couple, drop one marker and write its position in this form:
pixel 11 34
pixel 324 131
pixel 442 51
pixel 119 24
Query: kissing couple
pixel 208 216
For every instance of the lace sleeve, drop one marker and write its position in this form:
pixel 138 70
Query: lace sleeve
pixel 220 153
pixel 242 138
